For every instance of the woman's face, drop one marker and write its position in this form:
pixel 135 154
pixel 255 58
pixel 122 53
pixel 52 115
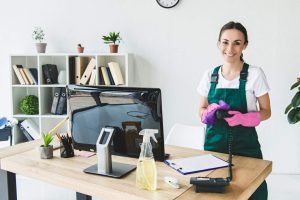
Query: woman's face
pixel 231 45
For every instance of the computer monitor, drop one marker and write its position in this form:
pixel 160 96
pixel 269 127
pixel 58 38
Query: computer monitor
pixel 127 109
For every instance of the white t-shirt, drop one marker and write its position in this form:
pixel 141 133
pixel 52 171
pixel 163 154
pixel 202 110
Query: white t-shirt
pixel 256 85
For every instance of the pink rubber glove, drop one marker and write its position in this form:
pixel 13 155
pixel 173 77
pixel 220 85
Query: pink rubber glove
pixel 250 119
pixel 208 115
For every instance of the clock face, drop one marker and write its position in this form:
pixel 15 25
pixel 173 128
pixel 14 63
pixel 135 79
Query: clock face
pixel 167 3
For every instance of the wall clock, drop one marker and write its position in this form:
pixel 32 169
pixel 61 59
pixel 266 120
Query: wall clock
pixel 167 3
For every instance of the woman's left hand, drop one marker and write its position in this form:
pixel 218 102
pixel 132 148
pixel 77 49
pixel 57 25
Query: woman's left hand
pixel 250 119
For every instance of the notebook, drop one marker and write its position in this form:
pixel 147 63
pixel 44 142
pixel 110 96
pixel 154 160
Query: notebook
pixel 196 164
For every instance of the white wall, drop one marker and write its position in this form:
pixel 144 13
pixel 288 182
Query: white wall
pixel 171 48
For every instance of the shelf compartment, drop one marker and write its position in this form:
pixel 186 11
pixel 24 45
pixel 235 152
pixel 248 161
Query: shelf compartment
pixel 26 62
pixel 59 61
pixel 18 93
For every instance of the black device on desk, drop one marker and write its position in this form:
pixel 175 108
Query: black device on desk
pixel 127 109
pixel 207 184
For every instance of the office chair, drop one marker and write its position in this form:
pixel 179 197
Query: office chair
pixel 186 136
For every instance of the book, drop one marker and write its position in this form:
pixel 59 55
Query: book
pixel 34 73
pixel 105 76
pixel 28 73
pixel 28 76
pixel 101 80
pixel 18 74
pixel 55 100
pixel 116 73
pixel 111 80
pixel 87 73
pixel 23 75
pixel 81 64
pixel 196 164
pixel 50 73
pixel 72 70
pixel 93 77
pixel 31 127
pixel 25 133
pixel 62 103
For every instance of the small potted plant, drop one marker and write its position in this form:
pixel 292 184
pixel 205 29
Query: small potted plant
pixel 80 48
pixel 39 36
pixel 113 39
pixel 46 150
pixel 293 109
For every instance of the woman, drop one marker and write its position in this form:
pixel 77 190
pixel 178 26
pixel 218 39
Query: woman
pixel 241 86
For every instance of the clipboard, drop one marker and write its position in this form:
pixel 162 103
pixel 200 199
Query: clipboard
pixel 196 164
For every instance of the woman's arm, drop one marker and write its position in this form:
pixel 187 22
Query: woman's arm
pixel 203 105
pixel 264 106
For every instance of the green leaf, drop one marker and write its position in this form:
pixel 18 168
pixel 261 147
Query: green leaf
pixel 295 85
pixel 296 100
pixel 47 138
pixel 288 108
pixel 294 116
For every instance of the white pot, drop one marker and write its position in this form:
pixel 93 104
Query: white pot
pixel 41 47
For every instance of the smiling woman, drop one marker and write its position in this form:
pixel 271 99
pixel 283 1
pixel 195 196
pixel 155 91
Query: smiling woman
pixel 240 86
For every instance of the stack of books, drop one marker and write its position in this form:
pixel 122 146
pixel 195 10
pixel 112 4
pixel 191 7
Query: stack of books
pixel 111 75
pixel 26 76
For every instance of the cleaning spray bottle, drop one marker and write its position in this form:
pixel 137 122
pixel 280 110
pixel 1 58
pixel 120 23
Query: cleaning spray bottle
pixel 146 175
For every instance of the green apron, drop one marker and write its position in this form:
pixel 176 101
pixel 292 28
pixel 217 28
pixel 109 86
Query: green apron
pixel 245 140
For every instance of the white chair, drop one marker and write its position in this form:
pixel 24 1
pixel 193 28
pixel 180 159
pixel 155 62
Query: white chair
pixel 186 136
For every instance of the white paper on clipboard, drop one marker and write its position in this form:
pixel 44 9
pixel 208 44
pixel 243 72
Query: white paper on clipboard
pixel 196 164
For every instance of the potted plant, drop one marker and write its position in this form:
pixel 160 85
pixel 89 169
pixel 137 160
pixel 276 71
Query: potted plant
pixel 80 48
pixel 293 109
pixel 38 35
pixel 113 39
pixel 46 150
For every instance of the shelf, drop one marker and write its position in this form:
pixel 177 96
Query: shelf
pixel 45 92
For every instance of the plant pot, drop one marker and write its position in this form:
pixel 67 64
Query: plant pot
pixel 113 48
pixel 80 49
pixel 41 47
pixel 46 152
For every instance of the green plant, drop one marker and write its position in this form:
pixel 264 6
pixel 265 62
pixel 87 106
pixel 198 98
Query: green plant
pixel 29 105
pixel 38 34
pixel 112 38
pixel 47 138
pixel 293 109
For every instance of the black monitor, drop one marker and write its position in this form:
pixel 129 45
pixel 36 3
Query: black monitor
pixel 127 109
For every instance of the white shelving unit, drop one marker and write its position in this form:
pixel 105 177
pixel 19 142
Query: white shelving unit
pixel 45 120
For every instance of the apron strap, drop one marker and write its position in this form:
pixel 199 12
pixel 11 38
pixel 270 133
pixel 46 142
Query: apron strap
pixel 242 86
pixel 214 78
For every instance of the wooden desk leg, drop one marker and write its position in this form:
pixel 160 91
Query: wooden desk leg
pixel 80 196
pixel 8 188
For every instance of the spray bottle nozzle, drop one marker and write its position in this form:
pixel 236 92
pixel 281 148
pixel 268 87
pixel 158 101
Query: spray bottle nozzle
pixel 147 133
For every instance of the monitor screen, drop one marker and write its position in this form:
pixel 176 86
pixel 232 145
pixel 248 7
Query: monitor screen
pixel 128 110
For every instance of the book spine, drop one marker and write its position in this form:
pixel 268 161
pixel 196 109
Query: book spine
pixel 61 102
pixel 55 100
pixel 18 74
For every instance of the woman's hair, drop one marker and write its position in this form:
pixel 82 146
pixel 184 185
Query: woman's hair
pixel 237 26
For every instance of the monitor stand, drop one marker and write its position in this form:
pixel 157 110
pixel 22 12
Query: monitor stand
pixel 118 170
pixel 105 166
